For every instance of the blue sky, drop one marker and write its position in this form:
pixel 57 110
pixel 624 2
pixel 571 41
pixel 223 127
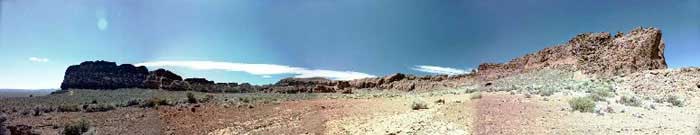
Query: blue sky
pixel 39 39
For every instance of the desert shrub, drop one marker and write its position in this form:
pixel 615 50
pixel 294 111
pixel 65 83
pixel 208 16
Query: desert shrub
pixel 99 107
pixel 546 92
pixel 191 99
pixel 630 101
pixel 77 128
pixel 440 101
pixel 155 102
pixel 419 104
pixel 68 108
pixel 207 98
pixel 476 95
pixel 42 109
pixel 582 104
pixel 133 102
pixel 470 90
pixel 600 95
pixel 674 100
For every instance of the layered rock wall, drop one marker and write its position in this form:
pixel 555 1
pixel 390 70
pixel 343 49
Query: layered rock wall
pixel 597 54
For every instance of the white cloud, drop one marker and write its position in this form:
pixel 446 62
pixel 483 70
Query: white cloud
pixel 266 76
pixel 37 59
pixel 259 69
pixel 440 70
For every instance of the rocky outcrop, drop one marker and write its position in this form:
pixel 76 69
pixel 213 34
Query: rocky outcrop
pixel 396 81
pixel 103 75
pixel 107 75
pixel 164 79
pixel 199 81
pixel 597 54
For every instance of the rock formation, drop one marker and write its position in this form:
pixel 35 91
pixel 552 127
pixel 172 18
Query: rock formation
pixel 164 79
pixel 396 81
pixel 597 54
pixel 199 81
pixel 103 75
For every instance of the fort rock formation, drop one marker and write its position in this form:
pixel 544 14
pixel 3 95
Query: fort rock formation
pixel 103 75
pixel 596 54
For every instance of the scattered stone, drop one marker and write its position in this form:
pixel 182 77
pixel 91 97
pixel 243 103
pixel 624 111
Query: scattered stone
pixel 21 130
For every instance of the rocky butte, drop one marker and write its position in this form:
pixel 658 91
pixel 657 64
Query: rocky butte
pixel 595 54
pixel 103 75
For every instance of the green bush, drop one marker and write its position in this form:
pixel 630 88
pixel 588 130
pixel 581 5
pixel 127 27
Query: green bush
pixel 417 105
pixel 99 107
pixel 155 102
pixel 133 102
pixel 600 95
pixel 77 128
pixel 207 98
pixel 68 108
pixel 582 104
pixel 630 101
pixel 191 99
pixel 674 100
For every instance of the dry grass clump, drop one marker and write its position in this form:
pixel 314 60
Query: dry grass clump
pixel 675 100
pixel 155 102
pixel 600 94
pixel 476 95
pixel 99 107
pixel 582 104
pixel 630 101
pixel 68 108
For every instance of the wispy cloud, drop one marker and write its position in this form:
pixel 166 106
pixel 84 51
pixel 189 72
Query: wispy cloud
pixel 37 59
pixel 440 70
pixel 259 69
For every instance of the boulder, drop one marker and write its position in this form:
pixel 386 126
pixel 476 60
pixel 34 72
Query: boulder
pixel 103 75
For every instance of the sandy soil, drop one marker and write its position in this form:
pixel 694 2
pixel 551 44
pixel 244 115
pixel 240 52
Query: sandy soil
pixel 494 113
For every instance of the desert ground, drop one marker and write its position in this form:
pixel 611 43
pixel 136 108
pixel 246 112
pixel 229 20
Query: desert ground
pixel 534 103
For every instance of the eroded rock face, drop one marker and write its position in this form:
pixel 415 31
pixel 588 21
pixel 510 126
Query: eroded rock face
pixel 598 54
pixel 164 79
pixel 103 75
